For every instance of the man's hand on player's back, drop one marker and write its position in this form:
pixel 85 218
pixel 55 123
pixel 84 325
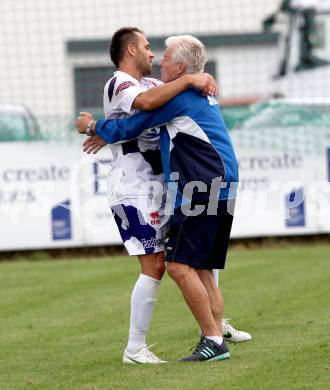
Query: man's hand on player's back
pixel 93 144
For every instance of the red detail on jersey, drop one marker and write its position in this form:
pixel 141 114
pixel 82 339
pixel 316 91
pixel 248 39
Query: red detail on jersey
pixel 155 218
pixel 123 86
pixel 152 82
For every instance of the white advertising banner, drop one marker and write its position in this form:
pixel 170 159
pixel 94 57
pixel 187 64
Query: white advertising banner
pixel 49 199
pixel 321 192
pixel 274 194
pixel 54 195
pixel 92 174
pixel 284 182
pixel 36 198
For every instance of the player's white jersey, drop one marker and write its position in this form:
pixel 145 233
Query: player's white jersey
pixel 137 162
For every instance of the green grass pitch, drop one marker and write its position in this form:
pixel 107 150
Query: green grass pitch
pixel 64 324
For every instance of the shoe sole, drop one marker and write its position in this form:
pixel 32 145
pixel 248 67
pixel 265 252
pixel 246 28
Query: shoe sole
pixel 131 361
pixel 236 342
pixel 221 357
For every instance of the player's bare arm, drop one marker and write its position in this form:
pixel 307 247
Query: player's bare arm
pixel 157 96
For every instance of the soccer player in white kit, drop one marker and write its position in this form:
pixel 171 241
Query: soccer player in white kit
pixel 134 164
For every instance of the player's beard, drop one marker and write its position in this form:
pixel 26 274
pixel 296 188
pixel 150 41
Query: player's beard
pixel 145 68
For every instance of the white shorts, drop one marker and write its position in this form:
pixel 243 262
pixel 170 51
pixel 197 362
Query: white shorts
pixel 142 228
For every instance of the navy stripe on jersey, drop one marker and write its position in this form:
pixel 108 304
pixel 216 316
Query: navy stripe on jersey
pixel 130 147
pixel 111 88
pixel 152 157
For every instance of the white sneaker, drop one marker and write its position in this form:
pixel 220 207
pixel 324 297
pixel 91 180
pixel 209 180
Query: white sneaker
pixel 142 356
pixel 232 335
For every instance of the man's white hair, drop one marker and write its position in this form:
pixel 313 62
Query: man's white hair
pixel 188 50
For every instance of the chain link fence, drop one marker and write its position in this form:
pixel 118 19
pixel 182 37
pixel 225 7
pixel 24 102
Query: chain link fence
pixel 54 55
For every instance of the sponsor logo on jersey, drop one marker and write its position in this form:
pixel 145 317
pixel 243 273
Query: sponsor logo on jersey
pixel 212 100
pixel 123 86
pixel 152 133
pixel 154 218
pixel 152 243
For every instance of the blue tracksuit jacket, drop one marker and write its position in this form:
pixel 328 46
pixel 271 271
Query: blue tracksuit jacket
pixel 194 141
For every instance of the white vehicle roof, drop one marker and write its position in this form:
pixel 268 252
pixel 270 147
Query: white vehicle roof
pixel 19 109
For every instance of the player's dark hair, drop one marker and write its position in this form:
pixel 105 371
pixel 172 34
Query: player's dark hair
pixel 120 39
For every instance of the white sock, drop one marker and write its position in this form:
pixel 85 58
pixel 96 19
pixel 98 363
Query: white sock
pixel 216 276
pixel 216 339
pixel 143 300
